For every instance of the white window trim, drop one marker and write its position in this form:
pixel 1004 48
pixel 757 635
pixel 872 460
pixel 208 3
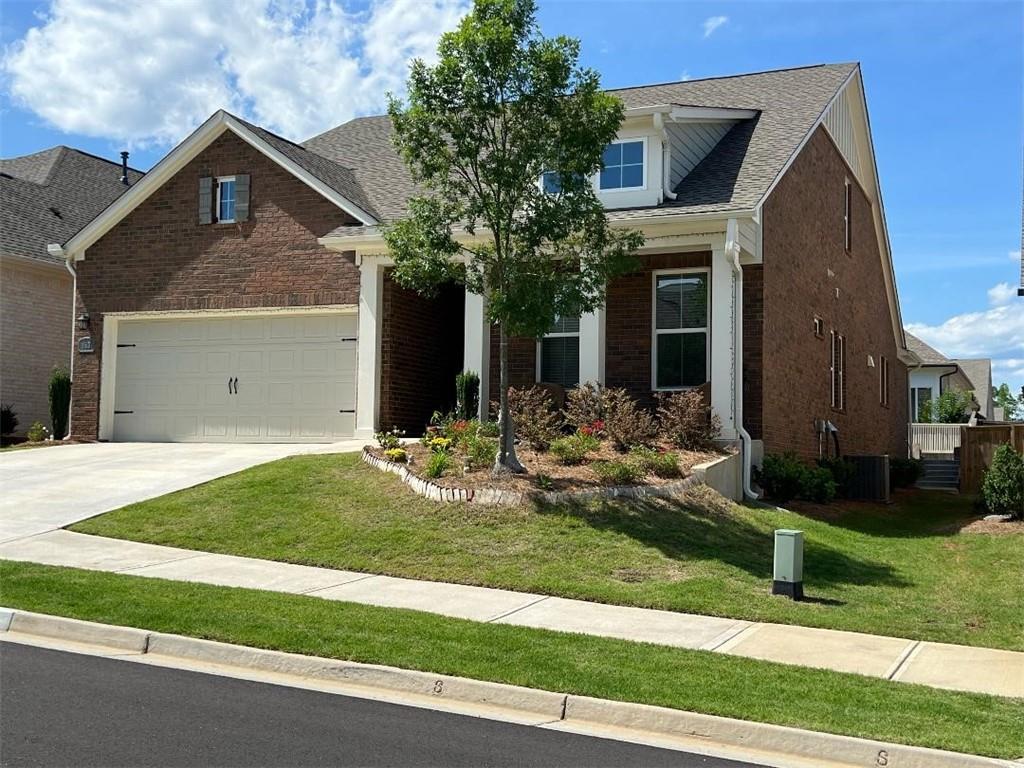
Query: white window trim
pixel 847 206
pixel 616 190
pixel 540 346
pixel 219 179
pixel 655 331
pixel 838 403
pixel 883 381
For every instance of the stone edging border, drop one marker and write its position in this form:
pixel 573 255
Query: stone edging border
pixel 763 743
pixel 431 490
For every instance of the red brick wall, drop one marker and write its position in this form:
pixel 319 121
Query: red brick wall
pixel 628 323
pixel 522 358
pixel 421 353
pixel 160 258
pixel 805 262
pixel 753 343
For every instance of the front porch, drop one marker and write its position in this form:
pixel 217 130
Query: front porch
pixel 674 323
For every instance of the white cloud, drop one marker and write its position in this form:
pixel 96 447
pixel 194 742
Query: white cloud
pixel 712 23
pixel 1014 255
pixel 685 76
pixel 149 73
pixel 997 333
pixel 1002 293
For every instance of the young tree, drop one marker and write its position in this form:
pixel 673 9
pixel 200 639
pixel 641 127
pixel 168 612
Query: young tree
pixel 951 407
pixel 503 107
pixel 1003 398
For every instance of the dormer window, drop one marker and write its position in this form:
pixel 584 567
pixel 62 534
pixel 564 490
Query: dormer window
pixel 226 199
pixel 624 165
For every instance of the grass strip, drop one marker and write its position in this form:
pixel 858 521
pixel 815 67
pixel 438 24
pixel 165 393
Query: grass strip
pixel 697 681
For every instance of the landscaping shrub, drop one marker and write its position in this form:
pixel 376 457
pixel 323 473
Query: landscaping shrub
pixel 537 422
pixel 488 428
pixel 438 443
pixel 686 421
pixel 480 451
pixel 584 405
pixel 388 439
pixel 8 419
pixel 545 482
pixel 467 395
pixel 818 485
pixel 904 472
pixel 574 448
pixel 781 476
pixel 658 463
pixel 842 471
pixel 436 464
pixel 396 454
pixel 60 401
pixel 1003 486
pixel 37 432
pixel 617 472
pixel 625 423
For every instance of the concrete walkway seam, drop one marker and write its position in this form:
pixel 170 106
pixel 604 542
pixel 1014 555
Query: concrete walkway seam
pixel 551 707
pixel 720 642
pixel 738 638
pixel 902 660
pixel 897 673
pixel 506 614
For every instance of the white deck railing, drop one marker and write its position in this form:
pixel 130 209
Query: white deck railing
pixel 934 438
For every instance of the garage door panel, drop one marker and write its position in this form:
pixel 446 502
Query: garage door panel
pixel 293 375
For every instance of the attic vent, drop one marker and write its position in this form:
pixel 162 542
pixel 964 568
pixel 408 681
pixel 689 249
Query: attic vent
pixel 55 212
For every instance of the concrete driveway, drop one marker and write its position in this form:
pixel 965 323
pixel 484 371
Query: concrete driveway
pixel 49 488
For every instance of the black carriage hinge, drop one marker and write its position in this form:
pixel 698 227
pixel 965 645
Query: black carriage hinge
pixel 125 345
pixel 117 412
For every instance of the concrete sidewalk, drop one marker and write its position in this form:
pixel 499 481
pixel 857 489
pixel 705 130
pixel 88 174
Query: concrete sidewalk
pixel 955 667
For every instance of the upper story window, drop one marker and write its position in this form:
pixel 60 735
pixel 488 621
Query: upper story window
pixel 558 353
pixel 226 199
pixel 623 165
pixel 883 382
pixel 838 371
pixel 680 329
pixel 847 221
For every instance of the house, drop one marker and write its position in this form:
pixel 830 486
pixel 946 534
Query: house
pixel 937 374
pixel 44 197
pixel 241 291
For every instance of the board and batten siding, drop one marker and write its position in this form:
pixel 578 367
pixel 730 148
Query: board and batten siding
pixel 691 143
pixel 839 124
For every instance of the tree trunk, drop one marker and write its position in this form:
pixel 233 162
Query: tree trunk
pixel 506 460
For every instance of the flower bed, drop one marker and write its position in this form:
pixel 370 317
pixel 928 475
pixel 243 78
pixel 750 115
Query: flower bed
pixel 563 457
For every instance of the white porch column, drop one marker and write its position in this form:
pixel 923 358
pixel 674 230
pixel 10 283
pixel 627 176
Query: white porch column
pixel 476 351
pixel 371 294
pixel 592 346
pixel 723 341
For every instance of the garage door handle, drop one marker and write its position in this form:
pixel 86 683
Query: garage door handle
pixel 236 385
pixel 229 385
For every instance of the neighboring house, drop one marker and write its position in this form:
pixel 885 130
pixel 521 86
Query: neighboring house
pixel 938 373
pixel 241 290
pixel 44 197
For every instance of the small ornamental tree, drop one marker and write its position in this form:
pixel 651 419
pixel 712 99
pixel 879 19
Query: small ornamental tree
pixel 1003 485
pixel 503 107
pixel 951 407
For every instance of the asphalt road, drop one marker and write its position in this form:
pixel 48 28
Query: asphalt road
pixel 63 709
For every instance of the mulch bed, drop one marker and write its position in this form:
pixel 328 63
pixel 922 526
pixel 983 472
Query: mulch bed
pixel 563 478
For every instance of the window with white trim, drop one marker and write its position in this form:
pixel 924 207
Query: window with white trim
pixel 558 353
pixel 883 382
pixel 680 329
pixel 226 199
pixel 838 371
pixel 920 397
pixel 847 221
pixel 623 166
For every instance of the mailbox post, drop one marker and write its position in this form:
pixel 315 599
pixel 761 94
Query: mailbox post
pixel 788 571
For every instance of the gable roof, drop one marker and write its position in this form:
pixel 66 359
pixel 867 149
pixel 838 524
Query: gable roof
pixel 48 196
pixel 978 372
pixel 735 175
pixel 332 180
pixel 928 355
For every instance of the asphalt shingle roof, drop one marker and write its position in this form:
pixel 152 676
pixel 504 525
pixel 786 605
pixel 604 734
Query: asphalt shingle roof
pixel 46 197
pixel 734 176
pixel 928 355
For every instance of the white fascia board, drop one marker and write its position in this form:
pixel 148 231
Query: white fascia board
pixel 177 159
pixel 683 113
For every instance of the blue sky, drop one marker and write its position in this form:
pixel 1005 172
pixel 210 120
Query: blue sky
pixel 944 84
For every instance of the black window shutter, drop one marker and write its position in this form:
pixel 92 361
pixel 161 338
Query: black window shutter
pixel 241 197
pixel 205 200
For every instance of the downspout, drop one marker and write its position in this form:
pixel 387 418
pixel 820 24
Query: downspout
pixel 732 251
pixel 666 158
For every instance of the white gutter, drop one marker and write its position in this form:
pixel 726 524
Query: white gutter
pixel 732 251
pixel 55 249
pixel 666 158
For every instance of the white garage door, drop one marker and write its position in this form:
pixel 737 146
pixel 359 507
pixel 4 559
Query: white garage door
pixel 283 378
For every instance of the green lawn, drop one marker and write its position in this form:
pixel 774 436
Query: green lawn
pixel 613 669
pixel 901 570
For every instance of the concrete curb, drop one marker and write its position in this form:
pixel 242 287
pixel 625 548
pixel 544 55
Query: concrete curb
pixel 775 741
